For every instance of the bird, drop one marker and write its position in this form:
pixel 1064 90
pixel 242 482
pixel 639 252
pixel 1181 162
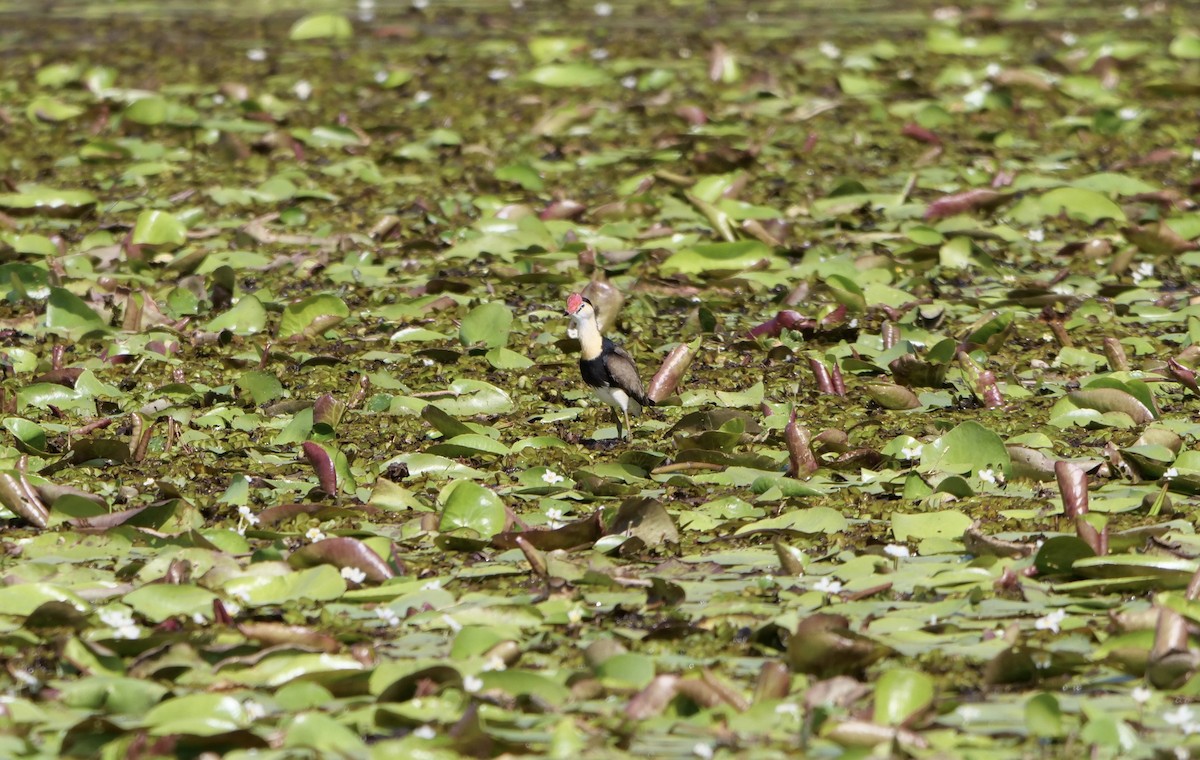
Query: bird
pixel 606 367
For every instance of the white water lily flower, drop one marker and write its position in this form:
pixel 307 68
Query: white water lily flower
pixel 828 585
pixel 550 477
pixel 314 535
pixel 353 574
pixel 1051 622
pixel 1182 716
pixel 897 551
pixel 121 622
pixel 1141 695
pixel 387 615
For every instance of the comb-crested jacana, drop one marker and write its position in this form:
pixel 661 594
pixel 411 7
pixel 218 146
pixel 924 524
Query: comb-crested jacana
pixel 605 366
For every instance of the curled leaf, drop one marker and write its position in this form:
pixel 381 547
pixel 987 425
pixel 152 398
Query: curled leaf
pixel 802 462
pixel 327 413
pixel 1073 485
pixel 322 462
pixel 823 645
pixel 342 552
pixel 276 634
pixel 673 368
pixel 1112 400
pixel 891 396
pixel 607 299
pixel 961 203
pixel 18 497
pixel 653 699
pixel 774 682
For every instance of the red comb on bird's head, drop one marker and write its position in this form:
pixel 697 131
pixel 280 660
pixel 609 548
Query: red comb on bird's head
pixel 574 302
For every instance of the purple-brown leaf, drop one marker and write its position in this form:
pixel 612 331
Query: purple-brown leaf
pixel 961 203
pixel 342 552
pixel 320 460
pixel 801 459
pixel 1073 485
pixel 673 368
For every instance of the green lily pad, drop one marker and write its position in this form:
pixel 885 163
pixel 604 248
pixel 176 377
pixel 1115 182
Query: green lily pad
pixel 470 505
pixel 319 26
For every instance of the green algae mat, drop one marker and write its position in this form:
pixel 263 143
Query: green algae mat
pixel 296 461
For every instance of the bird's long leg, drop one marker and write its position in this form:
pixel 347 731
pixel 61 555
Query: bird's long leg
pixel 617 419
pixel 628 428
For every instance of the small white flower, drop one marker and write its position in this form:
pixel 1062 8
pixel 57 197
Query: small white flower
pixel 550 477
pixel 1036 235
pixel 1031 5
pixel 599 54
pixel 988 476
pixel 1062 289
pixel 752 16
pixel 254 710
pixel 422 96
pixel 602 9
pixel 1051 622
pixel 1142 271
pixel 353 574
pixel 1141 695
pixel 828 585
pixel 121 622
pixel 1069 39
pixel 452 624
pixel 788 708
pixel 554 518
pixel 472 684
pixel 933 620
pixel 897 551
pixel 913 452
pixel 426 361
pixel 1130 13
pixel 425 732
pixel 380 77
pixel 1171 472
pixel 302 89
pixel 198 618
pixel 493 664
pixel 1129 113
pixel 1042 660
pixel 1196 156
pixel 433 585
pixel 968 713
pixel 233 609
pixel 992 69
pixel 575 615
pixel 314 535
pixel 387 615
pixel 256 54
pixel 420 4
pixel 244 513
pixel 829 50
pixel 975 98
pixel 497 74
pixel 703 750
pixel 1179 717
pixel 629 82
